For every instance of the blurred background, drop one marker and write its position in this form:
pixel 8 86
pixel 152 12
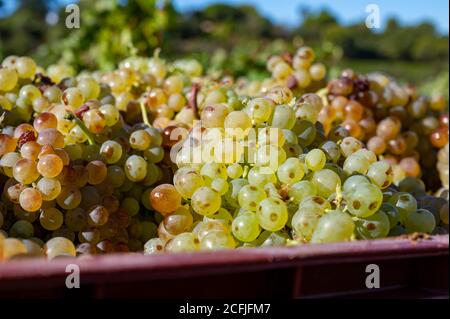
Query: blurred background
pixel 236 37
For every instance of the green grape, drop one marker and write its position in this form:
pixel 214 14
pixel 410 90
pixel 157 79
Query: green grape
pixel 234 171
pixel 222 215
pixel 213 116
pixel 291 171
pixel 75 219
pixel 283 117
pixel 315 160
pixel 26 67
pixel 154 154
pixel 231 197
pixel 154 245
pixel 275 239
pixel 306 132
pixel 364 200
pixel 356 164
pixel 421 221
pixel 140 140
pixel 155 136
pixel 326 182
pixel 392 213
pixel 184 242
pixel 69 197
pixel 115 176
pixel 130 205
pixel 269 157
pixel 21 229
pixel 51 218
pixel 272 214
pixel 305 220
pixel 213 170
pixel 315 202
pixel 331 150
pixel 59 247
pixel 245 227
pixel 154 174
pixel 72 97
pixel 290 137
pixel 259 177
pixel 205 201
pixel 249 196
pixel 111 151
pixel 350 145
pixel 8 79
pixel 259 110
pixel 405 204
pixel 29 92
pixel 13 248
pixel 381 174
pixel 135 168
pixel 271 136
pixel 216 240
pixel 334 226
pixel 187 180
pixel 302 190
pixel 220 186
pixel 353 182
pixel 89 88
pixel 110 113
pixel 374 226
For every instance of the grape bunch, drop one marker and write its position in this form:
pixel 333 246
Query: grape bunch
pixel 404 127
pixel 78 157
pixel 155 157
pixel 266 174
pixel 299 72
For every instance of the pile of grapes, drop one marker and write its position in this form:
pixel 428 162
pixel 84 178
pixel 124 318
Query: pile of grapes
pixel 405 128
pixel 155 157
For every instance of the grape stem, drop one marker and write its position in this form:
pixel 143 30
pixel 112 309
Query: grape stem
pixel 145 114
pixel 77 121
pixel 245 172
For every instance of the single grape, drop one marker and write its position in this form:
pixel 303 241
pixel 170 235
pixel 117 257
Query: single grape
pixel 272 214
pixel 332 227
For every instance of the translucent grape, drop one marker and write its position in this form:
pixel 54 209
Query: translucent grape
pixel 30 199
pixel 333 227
pixel 326 182
pixel 50 165
pixel 372 227
pixel 291 171
pixel 59 247
pixel 245 227
pixel 249 196
pixel 205 201
pixel 135 168
pixel 272 214
pixel 51 218
pixel 364 200
pixel 49 188
pixel 184 242
pixel 217 240
pixel 165 199
pixel 421 221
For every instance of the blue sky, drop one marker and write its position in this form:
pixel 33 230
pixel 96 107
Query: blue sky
pixel 348 11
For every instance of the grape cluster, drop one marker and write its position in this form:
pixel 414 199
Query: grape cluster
pixel 299 72
pixel 78 157
pixel 395 121
pixel 154 157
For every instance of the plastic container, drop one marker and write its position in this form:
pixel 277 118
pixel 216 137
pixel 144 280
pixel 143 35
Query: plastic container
pixel 409 267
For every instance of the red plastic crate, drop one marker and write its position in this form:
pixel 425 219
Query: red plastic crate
pixel 408 268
